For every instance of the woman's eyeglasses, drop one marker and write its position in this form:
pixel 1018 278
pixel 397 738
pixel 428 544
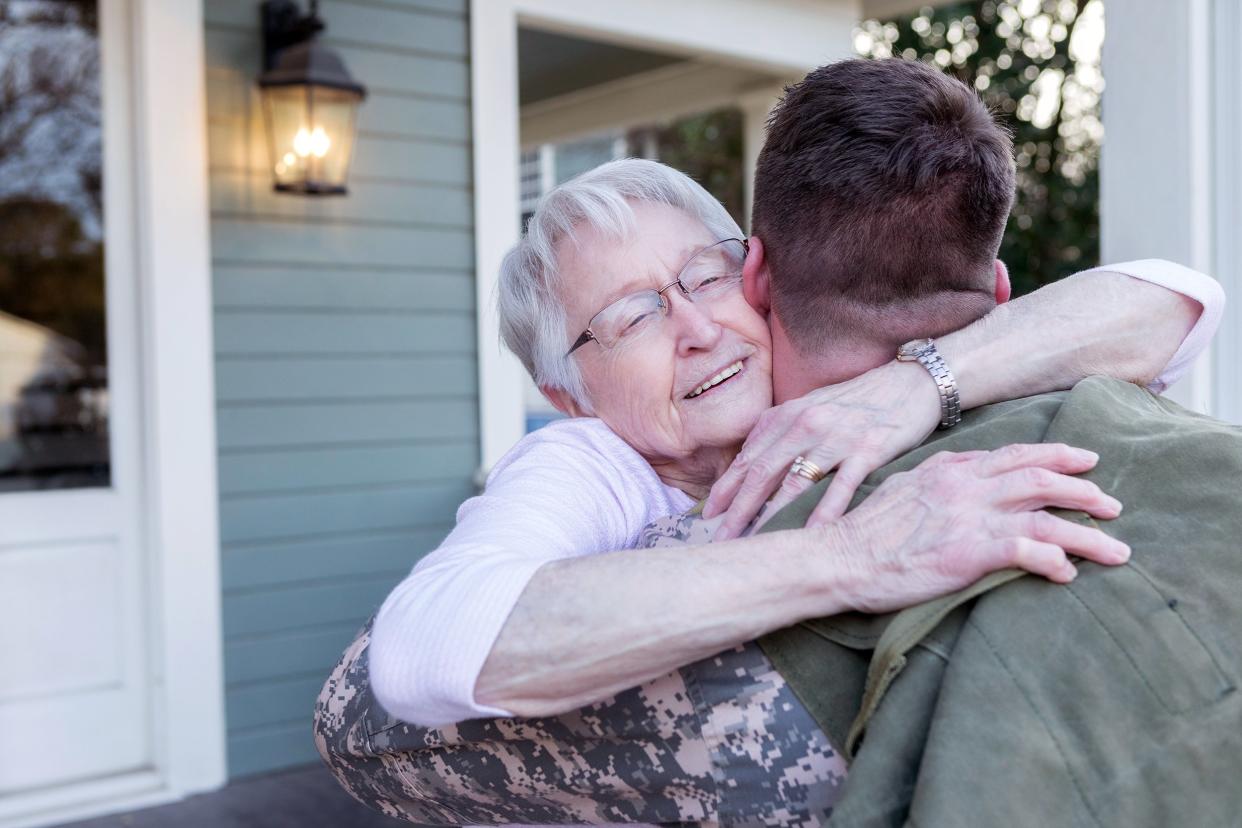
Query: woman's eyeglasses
pixel 712 273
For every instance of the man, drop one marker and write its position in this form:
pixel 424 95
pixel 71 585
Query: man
pixel 726 739
pixel 1117 692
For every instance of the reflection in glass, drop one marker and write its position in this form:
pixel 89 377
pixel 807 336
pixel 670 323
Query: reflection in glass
pixel 53 352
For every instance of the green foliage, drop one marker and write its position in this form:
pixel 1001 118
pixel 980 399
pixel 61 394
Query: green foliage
pixel 1036 64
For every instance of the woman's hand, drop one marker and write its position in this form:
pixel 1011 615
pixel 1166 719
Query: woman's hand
pixel 853 427
pixel 958 516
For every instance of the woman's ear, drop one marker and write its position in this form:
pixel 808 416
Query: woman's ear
pixel 563 401
pixel 755 278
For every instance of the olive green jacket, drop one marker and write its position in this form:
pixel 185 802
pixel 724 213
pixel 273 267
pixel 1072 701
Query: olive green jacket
pixel 1111 701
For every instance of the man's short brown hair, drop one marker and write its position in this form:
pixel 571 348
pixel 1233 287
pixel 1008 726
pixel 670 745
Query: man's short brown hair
pixel 882 191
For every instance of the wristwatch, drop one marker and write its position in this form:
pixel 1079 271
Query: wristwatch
pixel 923 351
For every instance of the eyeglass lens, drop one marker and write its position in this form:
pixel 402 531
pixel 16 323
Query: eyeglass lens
pixel 712 273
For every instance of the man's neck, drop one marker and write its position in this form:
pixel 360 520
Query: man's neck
pixel 795 373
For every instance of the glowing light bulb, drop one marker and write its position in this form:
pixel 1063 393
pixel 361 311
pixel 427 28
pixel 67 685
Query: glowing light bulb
pixel 289 160
pixel 302 142
pixel 319 142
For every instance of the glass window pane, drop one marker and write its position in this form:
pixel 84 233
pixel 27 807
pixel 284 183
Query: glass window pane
pixel 53 351
pixel 577 157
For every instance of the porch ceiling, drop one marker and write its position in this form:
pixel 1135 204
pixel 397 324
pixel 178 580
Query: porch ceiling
pixel 571 86
pixel 551 64
pixel 887 9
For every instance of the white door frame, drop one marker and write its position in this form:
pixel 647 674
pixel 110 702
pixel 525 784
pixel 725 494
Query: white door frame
pixel 785 38
pixel 178 452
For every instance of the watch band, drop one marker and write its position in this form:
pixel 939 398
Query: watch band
pixel 924 352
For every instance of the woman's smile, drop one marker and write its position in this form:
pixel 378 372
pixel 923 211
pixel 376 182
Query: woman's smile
pixel 718 379
pixel 692 386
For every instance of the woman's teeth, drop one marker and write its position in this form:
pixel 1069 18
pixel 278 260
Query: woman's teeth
pixel 716 380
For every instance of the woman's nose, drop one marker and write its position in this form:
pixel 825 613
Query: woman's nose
pixel 695 327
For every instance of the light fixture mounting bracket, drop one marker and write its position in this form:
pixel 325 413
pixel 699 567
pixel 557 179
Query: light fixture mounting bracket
pixel 285 25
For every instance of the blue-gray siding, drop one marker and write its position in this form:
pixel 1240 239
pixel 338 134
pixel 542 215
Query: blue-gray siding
pixel 347 390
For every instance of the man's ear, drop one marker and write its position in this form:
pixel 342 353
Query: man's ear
pixel 1003 288
pixel 755 278
pixel 563 401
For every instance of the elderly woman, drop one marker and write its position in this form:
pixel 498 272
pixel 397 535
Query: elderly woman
pixel 625 302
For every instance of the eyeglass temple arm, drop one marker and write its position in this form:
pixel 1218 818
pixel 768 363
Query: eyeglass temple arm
pixel 586 337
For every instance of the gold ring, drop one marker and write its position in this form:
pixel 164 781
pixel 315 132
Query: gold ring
pixel 805 468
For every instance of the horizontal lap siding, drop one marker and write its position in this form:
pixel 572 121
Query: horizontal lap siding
pixel 346 372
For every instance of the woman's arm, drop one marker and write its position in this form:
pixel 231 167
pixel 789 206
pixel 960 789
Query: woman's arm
pixel 586 628
pixel 571 489
pixel 1127 321
pixel 1143 322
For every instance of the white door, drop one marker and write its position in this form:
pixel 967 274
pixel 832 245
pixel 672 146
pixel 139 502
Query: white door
pixel 74 672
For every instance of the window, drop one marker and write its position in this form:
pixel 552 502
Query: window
pixel 53 350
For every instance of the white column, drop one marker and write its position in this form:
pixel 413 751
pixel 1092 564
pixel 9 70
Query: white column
pixel 1227 155
pixel 1156 176
pixel 755 106
pixel 494 58
pixel 174 251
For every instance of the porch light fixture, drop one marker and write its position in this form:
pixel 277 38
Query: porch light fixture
pixel 310 102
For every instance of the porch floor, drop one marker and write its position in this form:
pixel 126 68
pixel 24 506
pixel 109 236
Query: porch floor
pixel 302 798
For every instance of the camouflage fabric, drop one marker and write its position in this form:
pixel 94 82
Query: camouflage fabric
pixel 720 742
pixel 637 757
pixel 773 763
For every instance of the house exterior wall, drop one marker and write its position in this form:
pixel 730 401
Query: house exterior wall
pixel 345 356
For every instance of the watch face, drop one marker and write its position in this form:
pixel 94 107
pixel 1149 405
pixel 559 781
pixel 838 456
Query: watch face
pixel 913 348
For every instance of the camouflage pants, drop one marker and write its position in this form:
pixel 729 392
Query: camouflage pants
pixel 722 741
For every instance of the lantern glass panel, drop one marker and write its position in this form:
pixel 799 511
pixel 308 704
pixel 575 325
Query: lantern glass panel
pixel 310 133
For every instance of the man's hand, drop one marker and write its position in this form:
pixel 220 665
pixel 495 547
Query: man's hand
pixel 958 516
pixel 854 427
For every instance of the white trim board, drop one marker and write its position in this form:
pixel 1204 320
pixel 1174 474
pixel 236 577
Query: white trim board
pixel 785 38
pixel 781 37
pixel 85 800
pixel 1227 161
pixel 179 382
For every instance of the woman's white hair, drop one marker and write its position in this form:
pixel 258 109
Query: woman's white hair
pixel 532 315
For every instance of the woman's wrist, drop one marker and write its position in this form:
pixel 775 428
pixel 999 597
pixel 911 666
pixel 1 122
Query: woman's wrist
pixel 921 393
pixel 1099 322
pixel 839 566
pixel 967 356
pixel 996 357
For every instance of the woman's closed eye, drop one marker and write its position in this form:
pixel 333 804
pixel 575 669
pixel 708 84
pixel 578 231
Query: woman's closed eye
pixel 638 320
pixel 715 284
